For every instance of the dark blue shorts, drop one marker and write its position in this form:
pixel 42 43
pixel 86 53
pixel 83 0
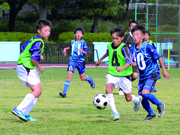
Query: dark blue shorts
pixel 79 65
pixel 148 84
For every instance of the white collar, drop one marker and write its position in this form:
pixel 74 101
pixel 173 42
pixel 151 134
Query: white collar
pixel 130 34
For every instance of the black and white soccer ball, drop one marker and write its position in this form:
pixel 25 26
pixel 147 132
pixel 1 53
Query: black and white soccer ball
pixel 100 101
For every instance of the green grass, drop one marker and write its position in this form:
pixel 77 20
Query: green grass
pixel 76 115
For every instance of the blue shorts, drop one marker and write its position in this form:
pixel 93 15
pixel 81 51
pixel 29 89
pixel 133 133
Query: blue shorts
pixel 79 65
pixel 148 84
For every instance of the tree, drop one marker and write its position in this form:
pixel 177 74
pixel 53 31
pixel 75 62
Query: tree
pixel 98 8
pixel 15 7
pixel 4 6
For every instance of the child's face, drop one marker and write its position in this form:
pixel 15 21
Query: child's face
pixel 146 37
pixel 116 39
pixel 78 34
pixel 138 37
pixel 44 33
pixel 132 25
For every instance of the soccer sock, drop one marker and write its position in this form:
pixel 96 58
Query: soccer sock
pixel 134 99
pixel 152 99
pixel 112 103
pixel 30 106
pixel 146 106
pixel 66 86
pixel 26 101
pixel 87 78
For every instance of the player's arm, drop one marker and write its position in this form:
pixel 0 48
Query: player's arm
pixel 85 49
pixel 128 56
pixel 64 51
pixel 157 56
pixel 133 58
pixel 103 57
pixel 36 55
pixel 165 73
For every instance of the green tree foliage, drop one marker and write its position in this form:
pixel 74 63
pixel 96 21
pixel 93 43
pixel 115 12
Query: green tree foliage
pixel 98 8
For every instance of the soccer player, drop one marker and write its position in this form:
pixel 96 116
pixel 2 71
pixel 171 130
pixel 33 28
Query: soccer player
pixel 78 49
pixel 120 70
pixel 26 69
pixel 146 38
pixel 145 57
pixel 128 40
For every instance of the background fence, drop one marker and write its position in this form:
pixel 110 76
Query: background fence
pixel 163 21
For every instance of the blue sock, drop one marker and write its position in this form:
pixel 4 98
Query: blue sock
pixel 87 78
pixel 66 86
pixel 146 106
pixel 152 99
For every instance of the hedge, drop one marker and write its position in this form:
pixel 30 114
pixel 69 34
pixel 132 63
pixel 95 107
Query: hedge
pixel 66 37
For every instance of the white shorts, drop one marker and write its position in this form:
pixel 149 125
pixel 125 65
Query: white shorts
pixel 32 77
pixel 122 82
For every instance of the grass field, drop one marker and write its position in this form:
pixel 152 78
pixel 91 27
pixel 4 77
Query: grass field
pixel 76 115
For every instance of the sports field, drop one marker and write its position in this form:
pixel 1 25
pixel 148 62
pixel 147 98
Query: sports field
pixel 76 115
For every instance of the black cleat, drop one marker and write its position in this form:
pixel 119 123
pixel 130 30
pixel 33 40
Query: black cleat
pixel 161 110
pixel 62 95
pixel 150 117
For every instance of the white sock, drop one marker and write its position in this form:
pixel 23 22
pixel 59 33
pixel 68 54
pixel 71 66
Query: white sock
pixel 135 99
pixel 26 101
pixel 112 103
pixel 30 106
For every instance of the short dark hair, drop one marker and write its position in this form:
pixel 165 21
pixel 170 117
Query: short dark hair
pixel 79 29
pixel 148 32
pixel 119 30
pixel 42 23
pixel 133 21
pixel 139 27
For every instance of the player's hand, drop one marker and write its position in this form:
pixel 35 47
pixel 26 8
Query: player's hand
pixel 133 63
pixel 166 74
pixel 81 50
pixel 41 58
pixel 119 69
pixel 64 52
pixel 97 63
pixel 41 69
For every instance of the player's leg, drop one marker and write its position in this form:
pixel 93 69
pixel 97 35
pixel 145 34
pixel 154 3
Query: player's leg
pixel 134 77
pixel 31 79
pixel 71 69
pixel 126 85
pixel 110 85
pixel 81 70
pixel 146 93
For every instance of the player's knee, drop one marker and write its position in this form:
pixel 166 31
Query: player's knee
pixel 135 75
pixel 145 95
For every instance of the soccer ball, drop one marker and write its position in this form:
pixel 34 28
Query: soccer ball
pixel 100 101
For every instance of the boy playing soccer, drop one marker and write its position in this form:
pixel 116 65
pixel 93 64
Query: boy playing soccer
pixel 26 71
pixel 78 49
pixel 120 70
pixel 146 38
pixel 128 40
pixel 145 57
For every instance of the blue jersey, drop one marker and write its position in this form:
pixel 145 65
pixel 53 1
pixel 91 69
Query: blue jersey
pixel 76 55
pixel 146 59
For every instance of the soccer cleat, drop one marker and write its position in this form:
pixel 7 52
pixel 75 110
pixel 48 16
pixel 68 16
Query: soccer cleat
pixel 120 91
pixel 137 105
pixel 20 114
pixel 116 116
pixel 30 118
pixel 161 110
pixel 150 117
pixel 92 83
pixel 62 94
